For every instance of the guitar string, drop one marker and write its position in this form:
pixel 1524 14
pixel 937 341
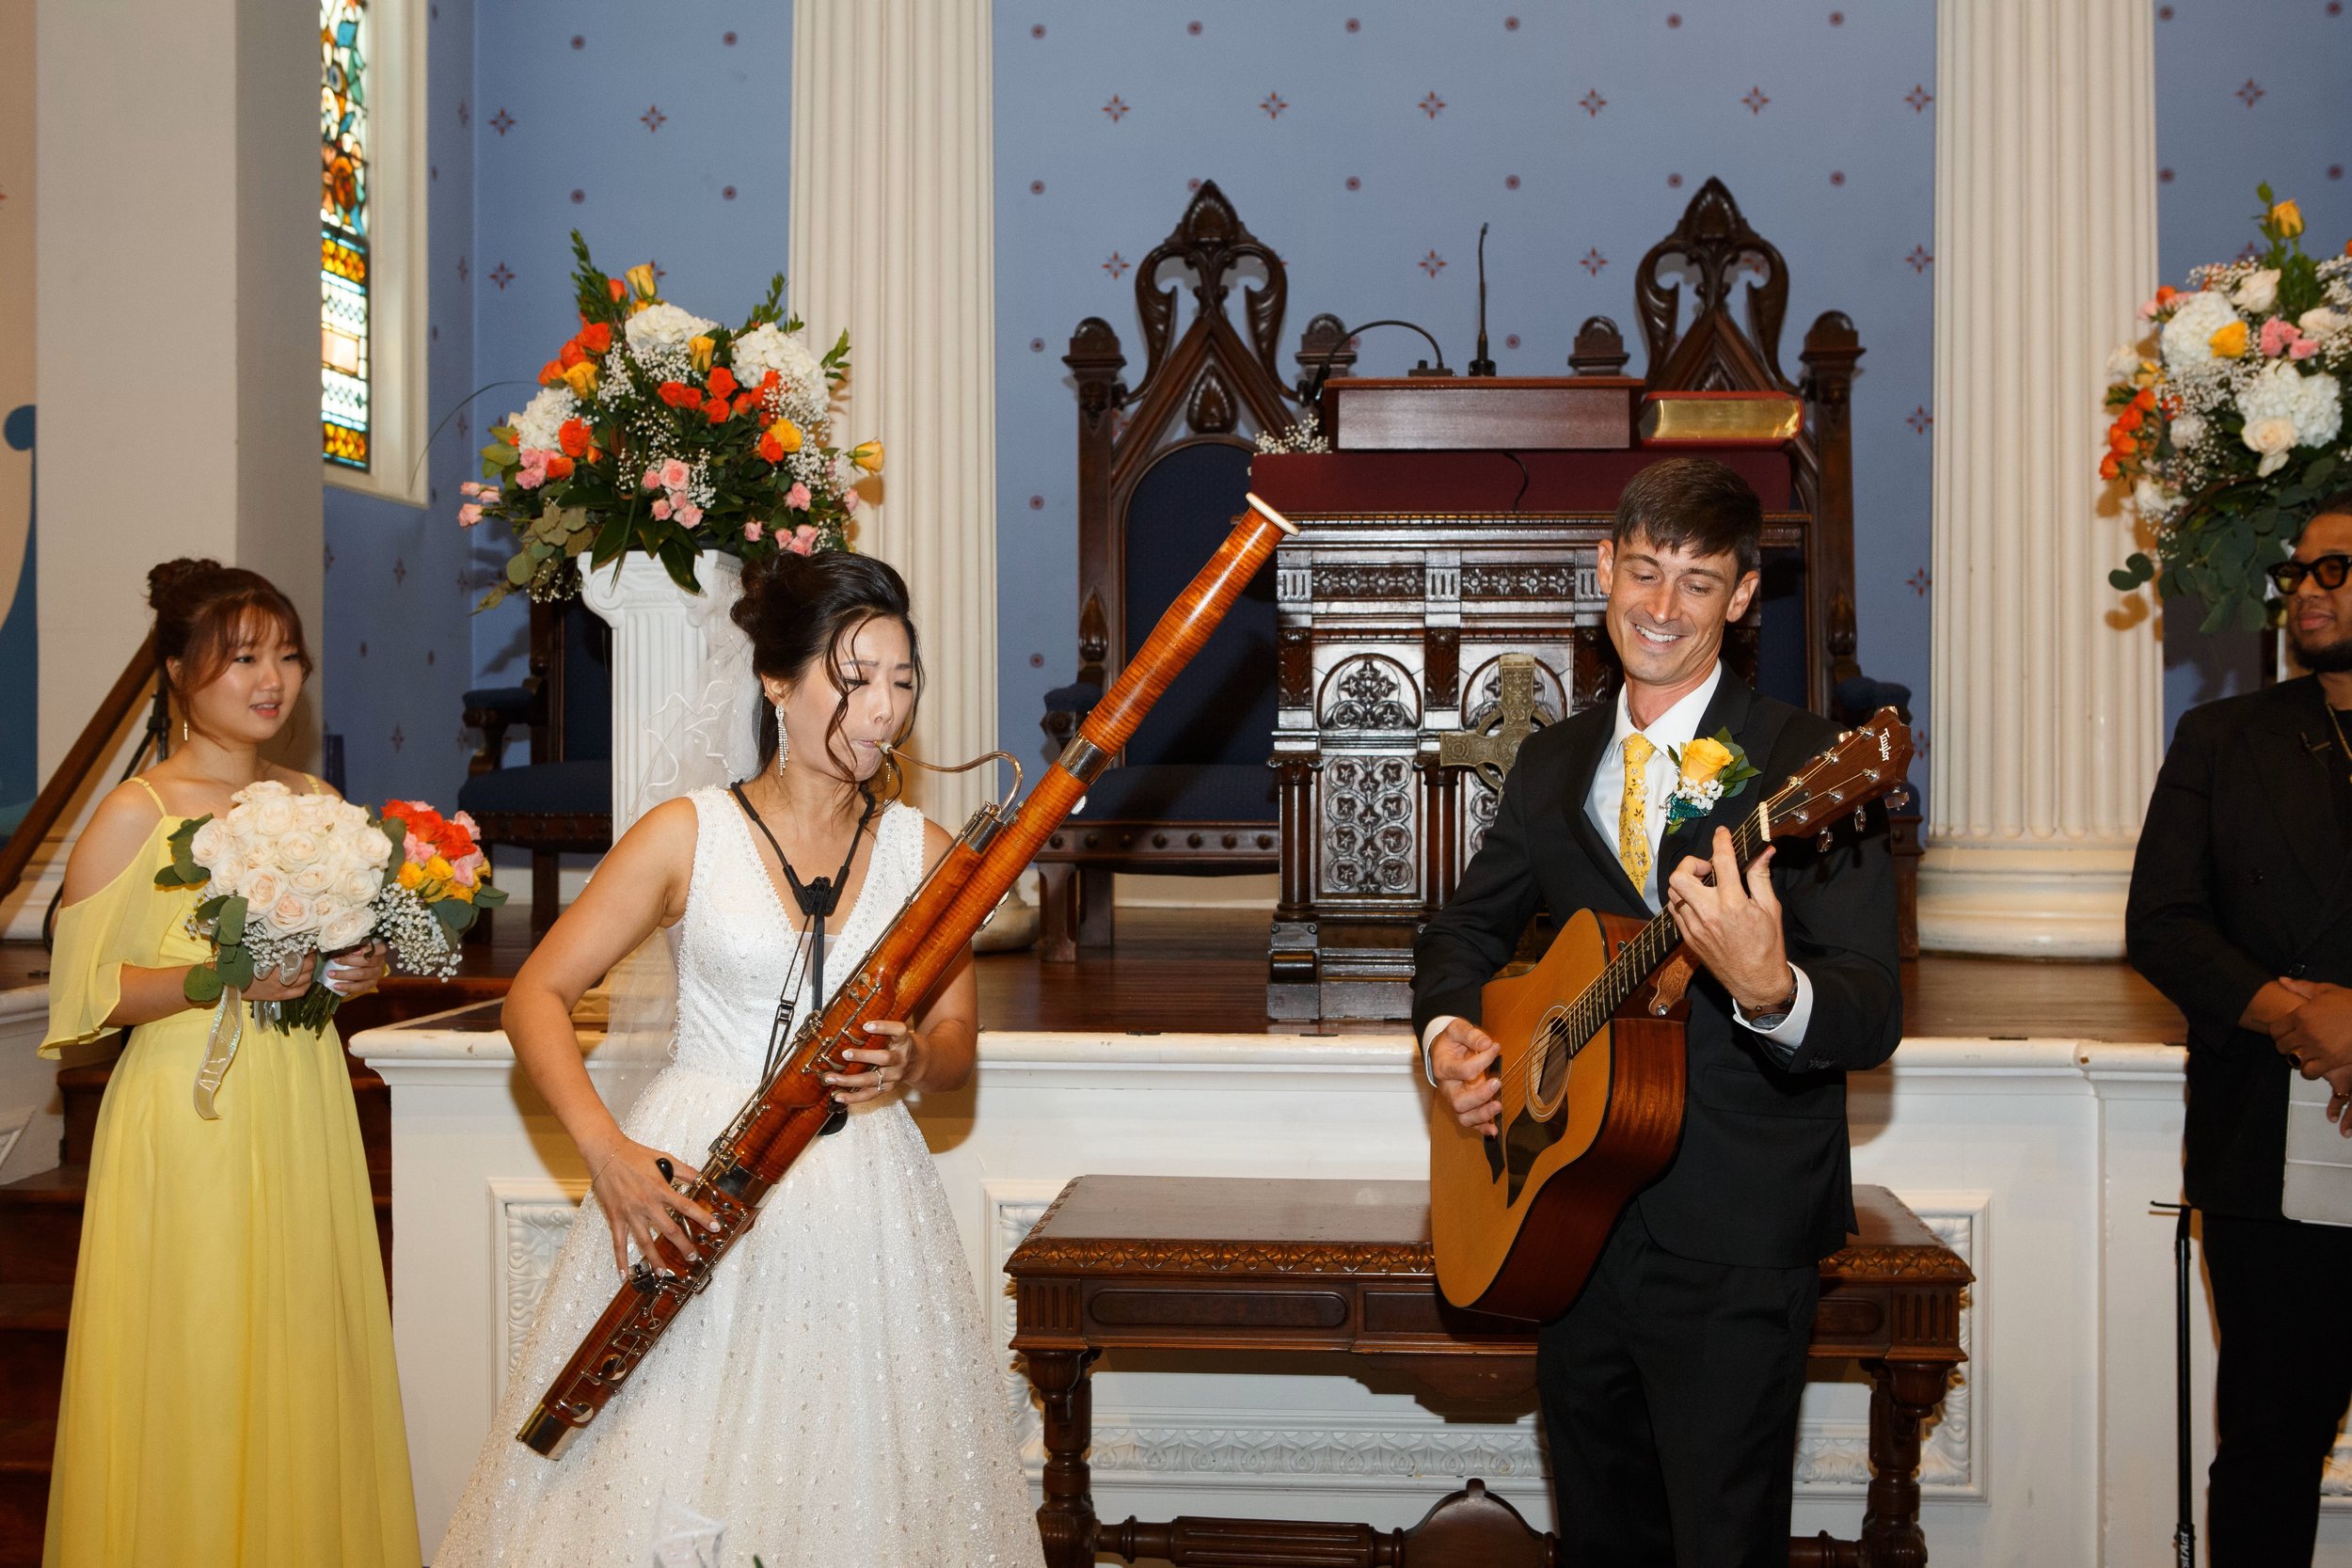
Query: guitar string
pixel 1592 1008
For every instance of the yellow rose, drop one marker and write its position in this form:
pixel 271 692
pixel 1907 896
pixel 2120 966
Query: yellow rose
pixel 460 892
pixel 582 378
pixel 2287 218
pixel 411 876
pixel 1703 759
pixel 786 435
pixel 640 278
pixel 702 349
pixel 2229 342
pixel 867 455
pixel 438 869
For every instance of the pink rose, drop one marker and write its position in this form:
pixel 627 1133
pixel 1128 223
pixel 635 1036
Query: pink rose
pixel 662 510
pixel 675 475
pixel 2278 335
pixel 798 497
pixel 470 489
pixel 467 869
pixel 417 850
pixel 752 531
pixel 653 478
pixel 849 500
pixel 465 820
pixel 689 513
pixel 803 540
pixel 530 479
pixel 468 515
pixel 2303 348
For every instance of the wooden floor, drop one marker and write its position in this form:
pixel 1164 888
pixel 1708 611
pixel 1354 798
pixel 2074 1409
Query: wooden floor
pixel 1203 972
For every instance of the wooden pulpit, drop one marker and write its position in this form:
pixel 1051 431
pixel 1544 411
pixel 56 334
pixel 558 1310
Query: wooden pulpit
pixel 1418 572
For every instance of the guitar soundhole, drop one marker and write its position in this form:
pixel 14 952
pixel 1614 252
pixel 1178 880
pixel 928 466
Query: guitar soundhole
pixel 1547 1066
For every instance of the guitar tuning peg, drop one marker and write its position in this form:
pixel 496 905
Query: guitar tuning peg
pixel 1823 841
pixel 1861 820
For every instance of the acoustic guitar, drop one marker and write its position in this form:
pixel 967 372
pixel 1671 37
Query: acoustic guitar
pixel 1593 1068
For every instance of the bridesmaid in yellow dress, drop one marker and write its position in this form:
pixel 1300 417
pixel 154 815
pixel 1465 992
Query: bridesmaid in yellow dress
pixel 230 1396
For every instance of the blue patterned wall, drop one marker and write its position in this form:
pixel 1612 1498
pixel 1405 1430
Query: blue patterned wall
pixel 1365 141
pixel 2245 93
pixel 396 652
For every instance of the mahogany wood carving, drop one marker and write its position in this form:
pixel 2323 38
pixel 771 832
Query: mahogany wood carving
pixel 1206 1264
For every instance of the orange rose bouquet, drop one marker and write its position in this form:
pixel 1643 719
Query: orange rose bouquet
pixel 659 431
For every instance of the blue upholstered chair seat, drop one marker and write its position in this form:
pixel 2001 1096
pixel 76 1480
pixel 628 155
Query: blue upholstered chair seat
pixel 542 788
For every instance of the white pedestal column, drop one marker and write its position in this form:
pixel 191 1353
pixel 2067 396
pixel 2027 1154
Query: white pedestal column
pixel 2047 713
pixel 893 237
pixel 659 644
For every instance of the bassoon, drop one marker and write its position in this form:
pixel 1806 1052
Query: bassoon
pixel 923 942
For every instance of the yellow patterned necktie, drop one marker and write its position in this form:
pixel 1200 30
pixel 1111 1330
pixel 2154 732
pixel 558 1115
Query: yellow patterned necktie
pixel 1633 809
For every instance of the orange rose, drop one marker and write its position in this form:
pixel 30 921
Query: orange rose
pixel 559 466
pixel 2132 419
pixel 2122 441
pixel 680 395
pixel 573 353
pixel 770 449
pixel 597 338
pixel 618 290
pixel 746 402
pixel 2108 467
pixel 716 410
pixel 551 373
pixel 573 438
pixel 723 383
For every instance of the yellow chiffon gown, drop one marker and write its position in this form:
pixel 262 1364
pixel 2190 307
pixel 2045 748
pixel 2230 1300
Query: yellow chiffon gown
pixel 230 1396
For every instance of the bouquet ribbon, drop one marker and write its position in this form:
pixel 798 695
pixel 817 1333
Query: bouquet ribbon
pixel 221 1049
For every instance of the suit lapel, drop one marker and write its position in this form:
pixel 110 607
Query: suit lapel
pixel 1588 744
pixel 1728 709
pixel 2292 757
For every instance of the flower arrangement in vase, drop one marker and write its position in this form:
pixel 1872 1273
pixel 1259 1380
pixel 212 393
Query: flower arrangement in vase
pixel 658 431
pixel 2229 418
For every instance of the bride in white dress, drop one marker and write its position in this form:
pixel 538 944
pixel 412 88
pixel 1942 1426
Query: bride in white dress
pixel 831 1398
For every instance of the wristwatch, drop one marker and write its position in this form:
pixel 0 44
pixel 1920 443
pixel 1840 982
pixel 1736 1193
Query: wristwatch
pixel 1777 1014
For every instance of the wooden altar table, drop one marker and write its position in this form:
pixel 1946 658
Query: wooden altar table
pixel 1344 1267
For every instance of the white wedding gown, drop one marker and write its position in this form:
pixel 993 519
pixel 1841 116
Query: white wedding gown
pixel 832 1397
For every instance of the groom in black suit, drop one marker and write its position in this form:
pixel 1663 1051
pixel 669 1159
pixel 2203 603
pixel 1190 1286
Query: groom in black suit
pixel 2241 912
pixel 1670 1387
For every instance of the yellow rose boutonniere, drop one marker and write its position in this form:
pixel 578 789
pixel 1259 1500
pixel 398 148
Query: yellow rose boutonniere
pixel 1707 771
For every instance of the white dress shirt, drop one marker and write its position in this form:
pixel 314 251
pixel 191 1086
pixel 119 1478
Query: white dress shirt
pixel 1671 731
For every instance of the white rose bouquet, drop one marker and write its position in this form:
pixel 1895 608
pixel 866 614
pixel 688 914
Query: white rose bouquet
pixel 2229 420
pixel 289 880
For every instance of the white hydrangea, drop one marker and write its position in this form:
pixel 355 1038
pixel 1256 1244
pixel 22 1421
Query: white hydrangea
pixel 663 327
pixel 543 416
pixel 2184 340
pixel 2187 430
pixel 2313 401
pixel 2154 501
pixel 768 347
pixel 2123 363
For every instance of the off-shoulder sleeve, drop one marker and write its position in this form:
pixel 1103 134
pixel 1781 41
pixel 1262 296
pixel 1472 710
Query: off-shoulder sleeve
pixel 96 937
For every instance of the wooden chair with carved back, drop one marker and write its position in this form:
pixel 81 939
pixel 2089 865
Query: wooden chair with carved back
pixel 1710 246
pixel 560 801
pixel 1162 468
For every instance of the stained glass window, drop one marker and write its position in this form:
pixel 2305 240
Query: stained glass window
pixel 343 47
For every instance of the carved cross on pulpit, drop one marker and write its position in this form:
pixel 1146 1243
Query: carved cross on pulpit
pixel 1494 744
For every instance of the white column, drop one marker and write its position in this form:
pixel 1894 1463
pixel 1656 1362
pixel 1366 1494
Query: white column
pixel 660 636
pixel 893 237
pixel 176 254
pixel 2047 711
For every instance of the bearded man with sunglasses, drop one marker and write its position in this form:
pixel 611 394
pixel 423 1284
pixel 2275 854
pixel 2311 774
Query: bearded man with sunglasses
pixel 2241 912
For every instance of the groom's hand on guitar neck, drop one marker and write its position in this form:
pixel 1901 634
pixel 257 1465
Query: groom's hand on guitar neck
pixel 1731 924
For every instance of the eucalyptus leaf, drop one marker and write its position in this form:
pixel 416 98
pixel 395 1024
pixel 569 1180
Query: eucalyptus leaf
pixel 232 927
pixel 203 986
pixel 518 570
pixel 236 966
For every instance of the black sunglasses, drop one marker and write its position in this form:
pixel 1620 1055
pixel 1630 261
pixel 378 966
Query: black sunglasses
pixel 2330 569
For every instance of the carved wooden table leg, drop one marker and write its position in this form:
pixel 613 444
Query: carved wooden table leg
pixel 1903 1395
pixel 1065 1519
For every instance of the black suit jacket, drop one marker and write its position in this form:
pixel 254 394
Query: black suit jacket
pixel 1761 1177
pixel 2242 877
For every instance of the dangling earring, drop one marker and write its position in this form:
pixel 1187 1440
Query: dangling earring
pixel 784 741
pixel 183 730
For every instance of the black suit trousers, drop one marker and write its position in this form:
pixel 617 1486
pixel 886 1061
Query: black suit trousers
pixel 1669 1396
pixel 2279 1390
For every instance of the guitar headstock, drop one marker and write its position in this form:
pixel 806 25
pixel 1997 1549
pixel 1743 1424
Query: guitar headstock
pixel 1865 764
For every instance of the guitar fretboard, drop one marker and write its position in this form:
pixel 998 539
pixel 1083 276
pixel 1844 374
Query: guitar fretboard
pixel 1639 959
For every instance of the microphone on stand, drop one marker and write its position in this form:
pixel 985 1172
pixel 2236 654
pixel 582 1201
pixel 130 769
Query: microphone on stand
pixel 1482 365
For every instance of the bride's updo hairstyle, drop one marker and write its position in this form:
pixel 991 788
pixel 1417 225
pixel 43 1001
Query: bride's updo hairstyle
pixel 798 610
pixel 207 613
